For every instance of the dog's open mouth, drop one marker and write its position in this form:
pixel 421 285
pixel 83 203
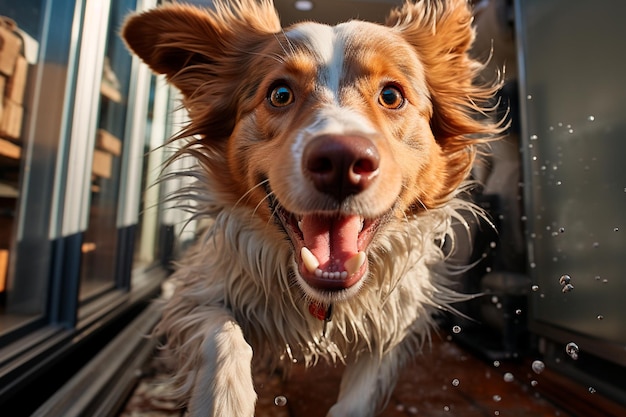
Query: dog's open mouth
pixel 330 250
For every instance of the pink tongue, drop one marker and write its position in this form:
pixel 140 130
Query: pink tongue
pixel 333 240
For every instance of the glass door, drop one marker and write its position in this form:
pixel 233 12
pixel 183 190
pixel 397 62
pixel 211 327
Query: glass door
pixel 36 61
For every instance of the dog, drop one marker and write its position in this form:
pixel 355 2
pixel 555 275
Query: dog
pixel 331 164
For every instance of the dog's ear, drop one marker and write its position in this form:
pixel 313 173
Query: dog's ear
pixel 441 33
pixel 191 45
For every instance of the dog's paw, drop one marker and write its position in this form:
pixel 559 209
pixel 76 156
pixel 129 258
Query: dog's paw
pixel 224 387
pixel 342 409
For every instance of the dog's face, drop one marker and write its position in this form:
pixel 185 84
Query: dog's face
pixel 327 132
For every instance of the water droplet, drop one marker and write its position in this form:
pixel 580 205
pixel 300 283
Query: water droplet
pixel 533 383
pixel 496 413
pixel 456 329
pixel 596 244
pixel 572 350
pixel 496 363
pixel 508 377
pixel 538 366
pixel 592 390
pixel 591 118
pixel 565 279
pixel 561 230
pixel 497 398
pixel 567 288
pixel 399 407
pixel 280 401
pixel 518 311
pixel 600 317
pixel 529 97
pixel 455 382
pixel 534 137
pixel 492 245
pixel 446 408
pixel 412 409
pixel 535 288
pixel 616 229
pixel 570 131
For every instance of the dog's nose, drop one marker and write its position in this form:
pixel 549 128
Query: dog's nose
pixel 341 165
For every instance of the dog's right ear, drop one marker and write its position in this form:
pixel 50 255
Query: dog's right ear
pixel 183 41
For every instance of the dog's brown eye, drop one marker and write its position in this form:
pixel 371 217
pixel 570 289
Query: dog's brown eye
pixel 280 96
pixel 391 97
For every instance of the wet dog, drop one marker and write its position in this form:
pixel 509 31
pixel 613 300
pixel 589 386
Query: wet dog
pixel 329 164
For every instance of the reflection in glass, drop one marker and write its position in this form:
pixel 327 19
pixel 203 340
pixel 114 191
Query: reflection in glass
pixel 100 243
pixel 33 89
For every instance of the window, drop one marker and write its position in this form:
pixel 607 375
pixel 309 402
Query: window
pixel 80 251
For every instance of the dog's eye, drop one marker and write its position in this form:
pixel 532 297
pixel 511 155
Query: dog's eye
pixel 391 97
pixel 280 96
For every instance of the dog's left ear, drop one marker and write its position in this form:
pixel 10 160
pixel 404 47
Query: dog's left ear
pixel 441 33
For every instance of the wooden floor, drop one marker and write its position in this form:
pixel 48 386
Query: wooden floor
pixel 446 381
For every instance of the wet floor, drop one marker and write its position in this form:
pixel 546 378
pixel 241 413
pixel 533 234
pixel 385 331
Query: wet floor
pixel 445 381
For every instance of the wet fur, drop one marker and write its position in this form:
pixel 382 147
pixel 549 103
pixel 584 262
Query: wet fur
pixel 236 289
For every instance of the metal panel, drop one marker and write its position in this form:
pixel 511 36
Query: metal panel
pixel 573 102
pixel 84 121
pixel 139 97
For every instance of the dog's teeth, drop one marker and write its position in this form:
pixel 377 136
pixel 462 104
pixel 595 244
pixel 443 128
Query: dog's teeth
pixel 310 261
pixel 354 264
pixel 362 224
pixel 300 225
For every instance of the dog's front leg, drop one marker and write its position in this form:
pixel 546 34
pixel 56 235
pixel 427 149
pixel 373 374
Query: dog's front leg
pixel 365 385
pixel 223 383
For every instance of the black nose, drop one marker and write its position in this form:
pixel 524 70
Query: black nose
pixel 341 165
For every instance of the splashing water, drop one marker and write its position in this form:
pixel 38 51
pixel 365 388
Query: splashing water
pixel 538 366
pixel 565 282
pixel 280 401
pixel 508 377
pixel 572 350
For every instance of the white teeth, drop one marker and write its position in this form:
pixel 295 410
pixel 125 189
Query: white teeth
pixel 310 261
pixel 300 225
pixel 362 224
pixel 332 275
pixel 351 266
pixel 354 264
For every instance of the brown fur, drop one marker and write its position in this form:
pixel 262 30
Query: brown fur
pixel 241 286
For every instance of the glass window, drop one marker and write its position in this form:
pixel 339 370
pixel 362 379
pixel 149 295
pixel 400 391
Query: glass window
pixel 100 243
pixel 148 237
pixel 34 66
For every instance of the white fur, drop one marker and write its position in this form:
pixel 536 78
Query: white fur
pixel 236 288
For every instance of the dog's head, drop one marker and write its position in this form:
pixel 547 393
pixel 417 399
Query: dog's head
pixel 332 131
